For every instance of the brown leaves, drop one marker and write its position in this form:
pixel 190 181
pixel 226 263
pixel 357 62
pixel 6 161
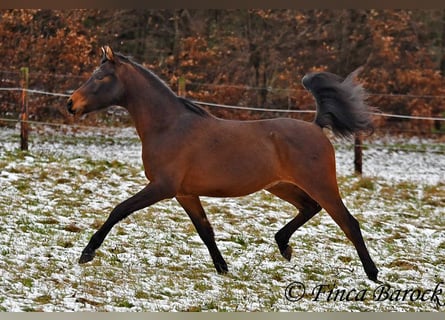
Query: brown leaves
pixel 239 57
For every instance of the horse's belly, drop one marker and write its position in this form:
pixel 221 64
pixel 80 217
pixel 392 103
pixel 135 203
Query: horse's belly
pixel 237 179
pixel 222 191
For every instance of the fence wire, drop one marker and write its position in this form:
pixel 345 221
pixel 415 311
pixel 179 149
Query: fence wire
pixel 382 114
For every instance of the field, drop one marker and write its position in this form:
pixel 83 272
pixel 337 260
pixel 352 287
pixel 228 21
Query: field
pixel 55 196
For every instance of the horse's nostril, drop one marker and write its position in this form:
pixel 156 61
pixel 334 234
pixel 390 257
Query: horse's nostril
pixel 69 105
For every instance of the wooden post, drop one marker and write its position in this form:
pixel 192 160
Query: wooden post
pixel 358 154
pixel 181 87
pixel 24 126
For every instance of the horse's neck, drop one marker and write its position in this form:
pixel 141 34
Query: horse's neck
pixel 153 108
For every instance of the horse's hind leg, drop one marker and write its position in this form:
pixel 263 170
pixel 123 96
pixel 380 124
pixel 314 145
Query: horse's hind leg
pixel 307 209
pixel 323 188
pixel 350 226
pixel 192 205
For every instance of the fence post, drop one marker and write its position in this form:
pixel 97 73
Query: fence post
pixel 24 126
pixel 181 87
pixel 358 154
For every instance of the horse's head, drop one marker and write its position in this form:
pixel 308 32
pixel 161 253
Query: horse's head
pixel 102 90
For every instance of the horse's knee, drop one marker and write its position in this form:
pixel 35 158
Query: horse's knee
pixel 311 210
pixel 205 230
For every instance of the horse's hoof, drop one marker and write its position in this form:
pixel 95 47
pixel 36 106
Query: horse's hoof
pixel 221 267
pixel 86 257
pixel 287 253
pixel 373 277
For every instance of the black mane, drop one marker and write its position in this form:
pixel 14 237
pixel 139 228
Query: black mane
pixel 194 107
pixel 150 75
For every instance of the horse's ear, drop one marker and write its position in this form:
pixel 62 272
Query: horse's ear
pixel 107 54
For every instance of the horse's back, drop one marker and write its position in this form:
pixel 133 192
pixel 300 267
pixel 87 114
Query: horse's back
pixel 271 139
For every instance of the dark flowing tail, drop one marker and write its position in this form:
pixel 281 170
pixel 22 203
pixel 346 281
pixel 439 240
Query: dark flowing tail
pixel 341 104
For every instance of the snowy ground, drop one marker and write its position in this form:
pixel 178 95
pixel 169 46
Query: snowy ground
pixel 54 197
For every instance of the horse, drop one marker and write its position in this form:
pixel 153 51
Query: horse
pixel 187 152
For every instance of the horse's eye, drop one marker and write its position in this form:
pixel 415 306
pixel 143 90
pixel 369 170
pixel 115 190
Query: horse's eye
pixel 100 76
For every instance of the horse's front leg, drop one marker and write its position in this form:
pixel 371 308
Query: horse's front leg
pixel 151 194
pixel 192 205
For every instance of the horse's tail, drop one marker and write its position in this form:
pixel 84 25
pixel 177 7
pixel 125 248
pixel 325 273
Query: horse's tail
pixel 340 102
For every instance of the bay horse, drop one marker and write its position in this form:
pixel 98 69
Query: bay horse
pixel 187 152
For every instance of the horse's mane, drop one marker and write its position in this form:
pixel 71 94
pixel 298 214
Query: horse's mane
pixel 161 84
pixel 194 107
